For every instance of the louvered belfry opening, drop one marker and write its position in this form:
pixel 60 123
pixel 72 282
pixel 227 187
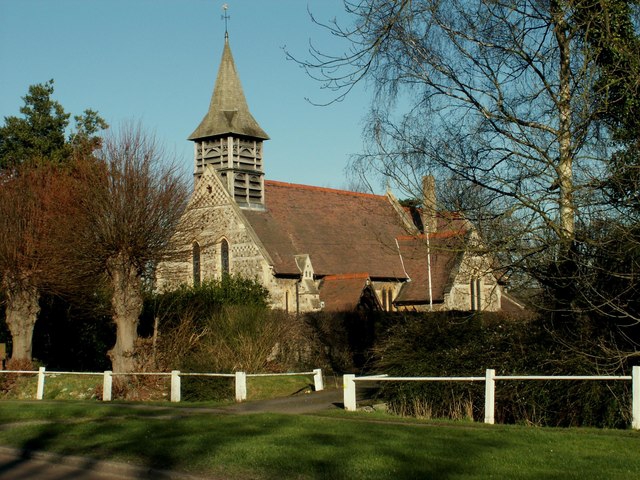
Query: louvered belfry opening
pixel 238 161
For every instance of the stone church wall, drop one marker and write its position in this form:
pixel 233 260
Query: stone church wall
pixel 211 219
pixel 473 270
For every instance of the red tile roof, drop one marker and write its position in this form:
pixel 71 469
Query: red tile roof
pixel 346 232
pixel 343 232
pixel 342 293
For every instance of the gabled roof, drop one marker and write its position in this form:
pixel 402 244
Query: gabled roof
pixel 342 293
pixel 342 232
pixel 228 110
pixel 347 232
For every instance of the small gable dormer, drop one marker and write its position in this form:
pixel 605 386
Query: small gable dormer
pixel 304 265
pixel 308 293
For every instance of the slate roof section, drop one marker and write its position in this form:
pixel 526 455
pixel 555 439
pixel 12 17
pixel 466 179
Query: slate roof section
pixel 446 250
pixel 228 111
pixel 342 293
pixel 513 307
pixel 343 232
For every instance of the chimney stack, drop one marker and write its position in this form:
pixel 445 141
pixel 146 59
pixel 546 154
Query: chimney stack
pixel 429 219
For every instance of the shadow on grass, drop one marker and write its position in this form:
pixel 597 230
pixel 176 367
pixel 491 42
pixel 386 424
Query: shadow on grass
pixel 265 446
pixel 30 462
pixel 274 446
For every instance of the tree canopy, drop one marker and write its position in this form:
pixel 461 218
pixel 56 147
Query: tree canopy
pixel 41 132
pixel 37 205
pixel 527 104
pixel 132 202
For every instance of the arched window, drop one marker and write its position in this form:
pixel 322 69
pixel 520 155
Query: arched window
pixel 387 299
pixel 224 257
pixel 196 264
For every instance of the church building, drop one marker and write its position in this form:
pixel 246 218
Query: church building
pixel 316 249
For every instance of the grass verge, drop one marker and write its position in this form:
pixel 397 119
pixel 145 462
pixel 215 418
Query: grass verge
pixel 340 446
pixel 261 388
pixel 89 387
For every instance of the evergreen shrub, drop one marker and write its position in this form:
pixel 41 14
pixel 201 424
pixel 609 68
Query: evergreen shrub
pixel 342 342
pixel 459 344
pixel 220 327
pixel 199 302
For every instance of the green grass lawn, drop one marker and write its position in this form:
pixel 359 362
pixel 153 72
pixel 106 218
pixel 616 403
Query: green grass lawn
pixel 337 446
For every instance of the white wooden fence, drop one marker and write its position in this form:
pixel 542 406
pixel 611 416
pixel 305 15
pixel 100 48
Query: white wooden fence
pixel 107 380
pixel 490 379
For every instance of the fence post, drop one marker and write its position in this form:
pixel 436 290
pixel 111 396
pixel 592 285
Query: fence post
pixel 107 383
pixel 349 386
pixel 175 385
pixel 317 380
pixel 489 396
pixel 241 386
pixel 635 402
pixel 40 389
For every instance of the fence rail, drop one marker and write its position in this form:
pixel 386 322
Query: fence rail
pixel 175 375
pixel 490 379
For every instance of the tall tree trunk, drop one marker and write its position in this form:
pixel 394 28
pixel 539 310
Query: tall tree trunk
pixel 126 302
pixel 22 309
pixel 564 271
pixel 565 145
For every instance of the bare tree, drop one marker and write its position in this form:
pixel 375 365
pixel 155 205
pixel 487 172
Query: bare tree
pixel 21 226
pixel 132 202
pixel 36 202
pixel 500 94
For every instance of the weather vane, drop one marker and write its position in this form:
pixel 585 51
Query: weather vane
pixel 226 18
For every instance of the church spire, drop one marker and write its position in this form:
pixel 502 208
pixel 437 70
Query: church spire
pixel 228 109
pixel 229 139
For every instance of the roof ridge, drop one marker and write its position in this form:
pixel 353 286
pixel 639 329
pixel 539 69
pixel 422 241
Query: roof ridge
pixel 322 189
pixel 435 235
pixel 346 276
pixel 442 214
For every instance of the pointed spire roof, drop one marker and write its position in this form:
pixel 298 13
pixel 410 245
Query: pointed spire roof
pixel 228 110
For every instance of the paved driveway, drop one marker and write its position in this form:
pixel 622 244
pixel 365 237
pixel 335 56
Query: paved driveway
pixel 16 465
pixel 298 404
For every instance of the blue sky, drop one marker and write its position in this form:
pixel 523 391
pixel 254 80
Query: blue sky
pixel 155 61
